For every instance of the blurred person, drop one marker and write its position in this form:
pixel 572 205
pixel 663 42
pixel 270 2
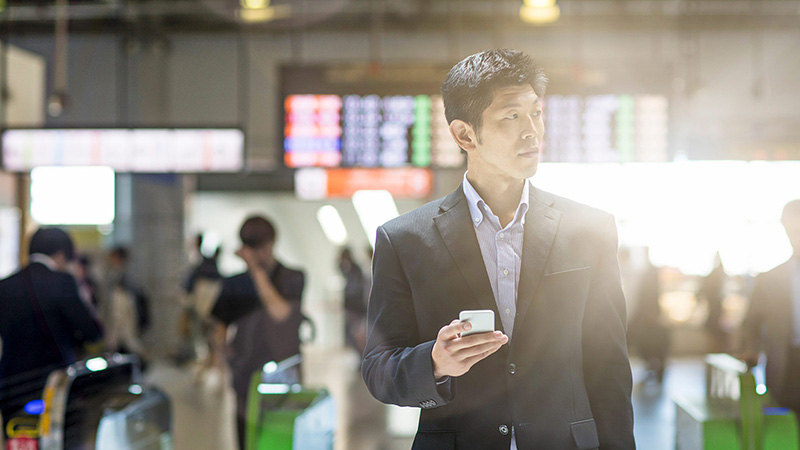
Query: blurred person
pixel 355 307
pixel 647 332
pixel 42 316
pixel 196 326
pixel 712 291
pixel 555 374
pixel 263 306
pixel 772 322
pixel 87 286
pixel 125 309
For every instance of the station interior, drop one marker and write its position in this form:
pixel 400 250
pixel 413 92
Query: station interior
pixel 159 126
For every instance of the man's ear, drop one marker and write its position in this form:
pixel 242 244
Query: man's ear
pixel 464 134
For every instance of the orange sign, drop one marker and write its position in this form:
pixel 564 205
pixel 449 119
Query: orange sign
pixel 400 182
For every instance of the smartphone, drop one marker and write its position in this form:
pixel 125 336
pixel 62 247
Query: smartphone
pixel 482 321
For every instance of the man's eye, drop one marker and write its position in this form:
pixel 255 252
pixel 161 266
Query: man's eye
pixel 512 116
pixel 537 114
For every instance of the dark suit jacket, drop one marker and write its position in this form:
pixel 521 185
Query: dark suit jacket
pixel 564 380
pixel 27 345
pixel 768 326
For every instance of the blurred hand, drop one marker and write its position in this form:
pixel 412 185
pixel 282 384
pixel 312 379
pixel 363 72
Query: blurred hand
pixel 454 355
pixel 250 258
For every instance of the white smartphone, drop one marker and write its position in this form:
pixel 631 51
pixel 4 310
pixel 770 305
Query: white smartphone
pixel 482 320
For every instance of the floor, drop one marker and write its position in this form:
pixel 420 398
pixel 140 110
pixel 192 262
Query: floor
pixel 203 405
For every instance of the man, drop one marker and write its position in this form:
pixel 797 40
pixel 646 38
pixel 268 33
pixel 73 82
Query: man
pixel 556 374
pixel 42 318
pixel 772 322
pixel 264 305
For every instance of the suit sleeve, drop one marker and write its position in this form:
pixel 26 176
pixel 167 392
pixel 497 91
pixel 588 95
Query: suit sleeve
pixel 607 371
pixel 397 367
pixel 76 314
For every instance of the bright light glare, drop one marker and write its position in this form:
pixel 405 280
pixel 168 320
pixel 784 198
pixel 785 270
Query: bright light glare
pixel 265 388
pixel 135 389
pixel 332 225
pixel 97 364
pixel 254 4
pixel 540 3
pixel 539 15
pixel 270 367
pixel 687 212
pixel 374 208
pixel 72 195
pixel 761 389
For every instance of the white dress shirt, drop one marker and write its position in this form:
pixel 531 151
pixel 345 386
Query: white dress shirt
pixel 501 249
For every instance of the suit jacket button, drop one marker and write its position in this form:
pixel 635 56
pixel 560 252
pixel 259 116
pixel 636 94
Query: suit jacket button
pixel 512 368
pixel 503 430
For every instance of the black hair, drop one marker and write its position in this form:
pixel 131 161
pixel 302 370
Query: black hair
pixel 257 231
pixel 468 89
pixel 120 252
pixel 49 241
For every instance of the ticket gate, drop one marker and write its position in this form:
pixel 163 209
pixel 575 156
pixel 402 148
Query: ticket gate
pixel 97 404
pixel 284 415
pixel 733 415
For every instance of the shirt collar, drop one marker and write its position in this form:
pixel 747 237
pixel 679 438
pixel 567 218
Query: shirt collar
pixel 41 258
pixel 477 206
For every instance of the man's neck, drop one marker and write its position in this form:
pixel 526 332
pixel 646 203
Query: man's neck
pixel 502 195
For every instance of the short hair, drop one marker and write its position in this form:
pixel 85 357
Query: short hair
pixel 470 85
pixel 49 241
pixel 791 210
pixel 257 231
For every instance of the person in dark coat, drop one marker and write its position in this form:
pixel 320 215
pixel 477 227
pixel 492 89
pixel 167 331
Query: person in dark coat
pixel 42 316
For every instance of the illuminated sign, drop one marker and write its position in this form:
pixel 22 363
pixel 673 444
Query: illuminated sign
pixel 312 184
pixel 125 150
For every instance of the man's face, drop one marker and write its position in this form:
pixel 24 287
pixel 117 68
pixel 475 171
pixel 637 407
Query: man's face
pixel 510 136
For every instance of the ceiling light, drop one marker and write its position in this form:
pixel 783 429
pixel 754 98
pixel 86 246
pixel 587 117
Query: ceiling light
pixel 539 12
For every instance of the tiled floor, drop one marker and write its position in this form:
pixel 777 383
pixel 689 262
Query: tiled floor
pixel 203 406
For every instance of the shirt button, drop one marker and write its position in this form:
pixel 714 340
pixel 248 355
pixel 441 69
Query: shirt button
pixel 505 271
pixel 512 368
pixel 477 219
pixel 503 429
pixel 508 311
pixel 502 235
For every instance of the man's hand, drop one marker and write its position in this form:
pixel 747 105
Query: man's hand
pixel 454 355
pixel 250 258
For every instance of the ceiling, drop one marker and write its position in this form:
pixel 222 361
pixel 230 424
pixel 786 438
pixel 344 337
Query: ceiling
pixel 119 16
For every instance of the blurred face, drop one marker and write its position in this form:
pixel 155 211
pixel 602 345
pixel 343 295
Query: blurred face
pixel 508 142
pixel 265 254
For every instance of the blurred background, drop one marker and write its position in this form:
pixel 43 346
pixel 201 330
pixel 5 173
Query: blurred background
pixel 159 126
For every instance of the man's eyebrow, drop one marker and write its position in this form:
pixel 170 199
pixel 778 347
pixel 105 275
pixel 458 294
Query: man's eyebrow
pixel 516 104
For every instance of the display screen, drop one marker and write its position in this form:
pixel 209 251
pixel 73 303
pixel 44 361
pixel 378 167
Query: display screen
pixel 362 116
pixel 367 131
pixel 125 150
pixel 605 128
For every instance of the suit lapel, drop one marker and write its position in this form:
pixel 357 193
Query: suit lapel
pixel 456 229
pixel 541 224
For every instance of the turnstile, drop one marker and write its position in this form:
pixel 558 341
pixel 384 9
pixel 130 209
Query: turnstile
pixel 284 415
pixel 97 404
pixel 732 415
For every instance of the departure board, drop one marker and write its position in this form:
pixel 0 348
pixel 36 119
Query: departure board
pixel 365 115
pixel 605 128
pixel 367 131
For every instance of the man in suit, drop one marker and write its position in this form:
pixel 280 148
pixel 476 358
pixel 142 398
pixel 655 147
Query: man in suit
pixel 264 305
pixel 772 322
pixel 555 374
pixel 42 316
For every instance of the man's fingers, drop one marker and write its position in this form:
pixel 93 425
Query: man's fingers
pixel 477 339
pixel 471 361
pixel 456 327
pixel 475 350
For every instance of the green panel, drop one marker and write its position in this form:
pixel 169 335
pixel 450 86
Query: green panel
pixel 780 433
pixel 721 435
pixel 276 430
